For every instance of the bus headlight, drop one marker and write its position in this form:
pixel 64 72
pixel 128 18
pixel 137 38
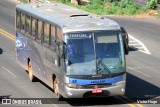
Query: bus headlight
pixel 72 85
pixel 118 83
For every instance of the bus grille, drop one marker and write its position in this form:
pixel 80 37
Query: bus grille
pixel 95 85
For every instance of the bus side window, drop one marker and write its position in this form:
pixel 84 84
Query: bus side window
pixel 36 28
pixel 46 33
pixel 53 33
pixel 18 19
pixel 59 35
pixel 28 24
pixel 39 29
pixel 23 22
pixel 33 30
pixel 59 45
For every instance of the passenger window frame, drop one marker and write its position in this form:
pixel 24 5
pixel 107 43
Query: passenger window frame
pixel 18 25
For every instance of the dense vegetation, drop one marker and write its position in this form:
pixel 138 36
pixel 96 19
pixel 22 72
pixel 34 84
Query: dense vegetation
pixel 122 7
pixel 158 14
pixel 116 7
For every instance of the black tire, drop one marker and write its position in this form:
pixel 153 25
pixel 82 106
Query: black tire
pixel 60 98
pixel 32 78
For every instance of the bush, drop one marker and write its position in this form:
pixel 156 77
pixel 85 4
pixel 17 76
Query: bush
pixel 96 6
pixel 64 1
pixel 158 14
pixel 127 4
pixel 124 7
pixel 157 1
pixel 152 4
pixel 23 1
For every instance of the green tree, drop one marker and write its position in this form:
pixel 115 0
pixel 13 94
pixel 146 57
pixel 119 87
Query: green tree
pixel 152 4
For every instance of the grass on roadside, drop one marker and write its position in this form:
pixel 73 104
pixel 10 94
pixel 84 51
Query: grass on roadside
pixel 23 1
pixel 108 7
pixel 158 14
pixel 105 7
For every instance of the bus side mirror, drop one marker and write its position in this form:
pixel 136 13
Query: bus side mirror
pixel 126 49
pixel 126 52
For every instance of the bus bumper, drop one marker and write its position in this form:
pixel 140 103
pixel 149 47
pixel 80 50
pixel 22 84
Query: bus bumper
pixel 82 93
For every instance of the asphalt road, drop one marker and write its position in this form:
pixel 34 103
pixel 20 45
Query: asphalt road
pixel 143 70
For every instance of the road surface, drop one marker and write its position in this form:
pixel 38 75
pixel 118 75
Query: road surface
pixel 143 70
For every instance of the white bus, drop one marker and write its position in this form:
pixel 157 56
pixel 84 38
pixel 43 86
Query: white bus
pixel 76 53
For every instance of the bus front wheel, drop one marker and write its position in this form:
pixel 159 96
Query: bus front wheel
pixel 31 76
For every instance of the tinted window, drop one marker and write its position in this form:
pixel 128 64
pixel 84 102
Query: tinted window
pixel 28 23
pixel 39 29
pixel 33 26
pixel 59 35
pixel 46 33
pixel 18 19
pixel 53 33
pixel 22 21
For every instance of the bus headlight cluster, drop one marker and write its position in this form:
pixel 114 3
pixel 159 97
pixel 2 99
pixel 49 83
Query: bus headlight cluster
pixel 73 85
pixel 118 83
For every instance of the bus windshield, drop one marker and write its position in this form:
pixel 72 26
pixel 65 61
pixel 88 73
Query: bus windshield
pixel 94 53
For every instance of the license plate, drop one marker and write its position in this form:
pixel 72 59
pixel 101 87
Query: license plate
pixel 97 91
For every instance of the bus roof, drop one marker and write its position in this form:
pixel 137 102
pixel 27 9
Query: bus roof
pixel 68 18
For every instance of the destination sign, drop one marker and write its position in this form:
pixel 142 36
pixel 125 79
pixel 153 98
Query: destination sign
pixel 80 35
pixel 99 81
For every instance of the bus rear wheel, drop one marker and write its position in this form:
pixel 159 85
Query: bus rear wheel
pixel 56 91
pixel 32 78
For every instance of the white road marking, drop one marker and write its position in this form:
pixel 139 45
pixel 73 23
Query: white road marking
pixel 143 48
pixel 139 72
pixel 9 71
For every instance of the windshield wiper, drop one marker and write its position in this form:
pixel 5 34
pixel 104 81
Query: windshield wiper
pixel 100 61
